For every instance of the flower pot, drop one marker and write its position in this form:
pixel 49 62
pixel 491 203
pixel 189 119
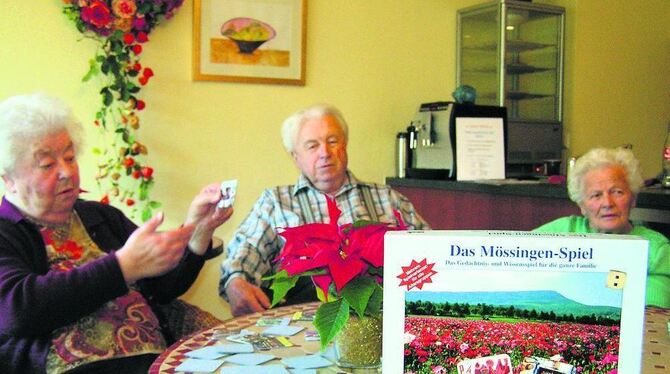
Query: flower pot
pixel 359 344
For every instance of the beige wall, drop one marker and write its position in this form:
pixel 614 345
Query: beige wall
pixel 376 60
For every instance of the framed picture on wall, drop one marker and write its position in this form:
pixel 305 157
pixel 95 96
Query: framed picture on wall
pixel 250 41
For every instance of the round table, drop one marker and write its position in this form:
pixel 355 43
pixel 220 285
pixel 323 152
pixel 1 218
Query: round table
pixel 176 353
pixel 656 342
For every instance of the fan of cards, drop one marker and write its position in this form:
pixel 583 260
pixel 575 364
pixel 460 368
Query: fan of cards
pixel 228 192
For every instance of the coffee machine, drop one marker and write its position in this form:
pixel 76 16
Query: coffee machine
pixel 432 137
pixel 431 154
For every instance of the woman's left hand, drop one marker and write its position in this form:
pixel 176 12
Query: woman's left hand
pixel 206 216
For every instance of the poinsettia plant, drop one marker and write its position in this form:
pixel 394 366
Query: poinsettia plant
pixel 120 27
pixel 344 262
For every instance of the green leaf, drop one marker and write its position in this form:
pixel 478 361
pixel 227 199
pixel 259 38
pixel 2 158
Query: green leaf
pixel 281 284
pixel 375 303
pixel 96 151
pixel 92 70
pixel 104 67
pixel 144 193
pixel 155 204
pixel 358 292
pixel 107 97
pixel 146 213
pixel 329 320
pixel 362 223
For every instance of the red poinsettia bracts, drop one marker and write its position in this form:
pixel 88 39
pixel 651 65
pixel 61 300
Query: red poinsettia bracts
pixel 344 252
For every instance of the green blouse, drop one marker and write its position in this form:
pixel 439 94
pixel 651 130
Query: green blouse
pixel 658 271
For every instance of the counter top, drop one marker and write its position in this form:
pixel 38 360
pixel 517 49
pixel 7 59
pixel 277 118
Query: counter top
pixel 651 197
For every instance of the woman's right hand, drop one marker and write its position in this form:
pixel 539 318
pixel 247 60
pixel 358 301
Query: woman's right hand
pixel 150 253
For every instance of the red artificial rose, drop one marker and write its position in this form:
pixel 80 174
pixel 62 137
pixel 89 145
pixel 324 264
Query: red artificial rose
pixel 139 23
pixel 142 37
pixel 136 174
pixel 124 8
pixel 137 49
pixel 128 162
pixel 128 38
pixel 147 172
pixel 143 80
pixel 97 14
pixel 140 105
pixel 148 72
pixel 137 66
pixel 130 202
pixel 105 200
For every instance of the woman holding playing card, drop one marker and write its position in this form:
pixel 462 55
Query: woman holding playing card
pixel 79 280
pixel 604 183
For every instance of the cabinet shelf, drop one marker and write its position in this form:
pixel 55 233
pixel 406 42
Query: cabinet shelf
pixel 513 46
pixel 517 46
pixel 519 68
pixel 515 95
pixel 518 95
pixel 511 53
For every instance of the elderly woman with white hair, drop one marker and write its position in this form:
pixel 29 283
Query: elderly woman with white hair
pixel 604 183
pixel 78 280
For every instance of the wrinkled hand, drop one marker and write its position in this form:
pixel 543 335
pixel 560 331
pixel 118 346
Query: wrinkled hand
pixel 206 217
pixel 150 253
pixel 245 298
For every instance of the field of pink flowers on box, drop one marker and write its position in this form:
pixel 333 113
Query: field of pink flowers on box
pixel 434 345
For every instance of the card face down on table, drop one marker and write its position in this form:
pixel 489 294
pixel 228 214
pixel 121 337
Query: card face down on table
pixel 503 300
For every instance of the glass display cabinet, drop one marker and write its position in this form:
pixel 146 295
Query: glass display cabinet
pixel 511 52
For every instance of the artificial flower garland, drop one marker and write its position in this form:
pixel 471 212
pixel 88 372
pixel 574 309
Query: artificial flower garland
pixel 120 27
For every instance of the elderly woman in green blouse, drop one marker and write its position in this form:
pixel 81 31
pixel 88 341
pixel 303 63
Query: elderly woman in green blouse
pixel 604 183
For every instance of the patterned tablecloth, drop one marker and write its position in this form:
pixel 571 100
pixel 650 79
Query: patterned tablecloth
pixel 656 357
pixel 655 360
pixel 175 354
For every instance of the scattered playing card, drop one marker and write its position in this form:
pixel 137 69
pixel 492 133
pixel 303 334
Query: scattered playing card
pixel 194 364
pixel 207 353
pixel 235 348
pixel 312 335
pixel 306 362
pixel 266 343
pixel 228 192
pixel 273 321
pixel 303 316
pixel 303 371
pixel 240 337
pixel 249 359
pixel 282 330
pixel 269 369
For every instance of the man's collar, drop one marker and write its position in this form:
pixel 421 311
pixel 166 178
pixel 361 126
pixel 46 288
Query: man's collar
pixel 349 183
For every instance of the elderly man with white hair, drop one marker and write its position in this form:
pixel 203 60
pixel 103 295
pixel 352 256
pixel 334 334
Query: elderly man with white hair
pixel 316 138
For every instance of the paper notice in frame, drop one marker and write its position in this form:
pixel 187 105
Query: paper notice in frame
pixel 513 302
pixel 480 148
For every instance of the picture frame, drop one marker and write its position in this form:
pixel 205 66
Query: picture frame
pixel 250 41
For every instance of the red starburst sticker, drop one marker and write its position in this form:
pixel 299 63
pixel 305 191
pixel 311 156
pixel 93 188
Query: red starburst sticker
pixel 417 274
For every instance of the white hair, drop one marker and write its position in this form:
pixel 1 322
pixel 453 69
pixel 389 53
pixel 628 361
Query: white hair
pixel 25 119
pixel 599 158
pixel 292 125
